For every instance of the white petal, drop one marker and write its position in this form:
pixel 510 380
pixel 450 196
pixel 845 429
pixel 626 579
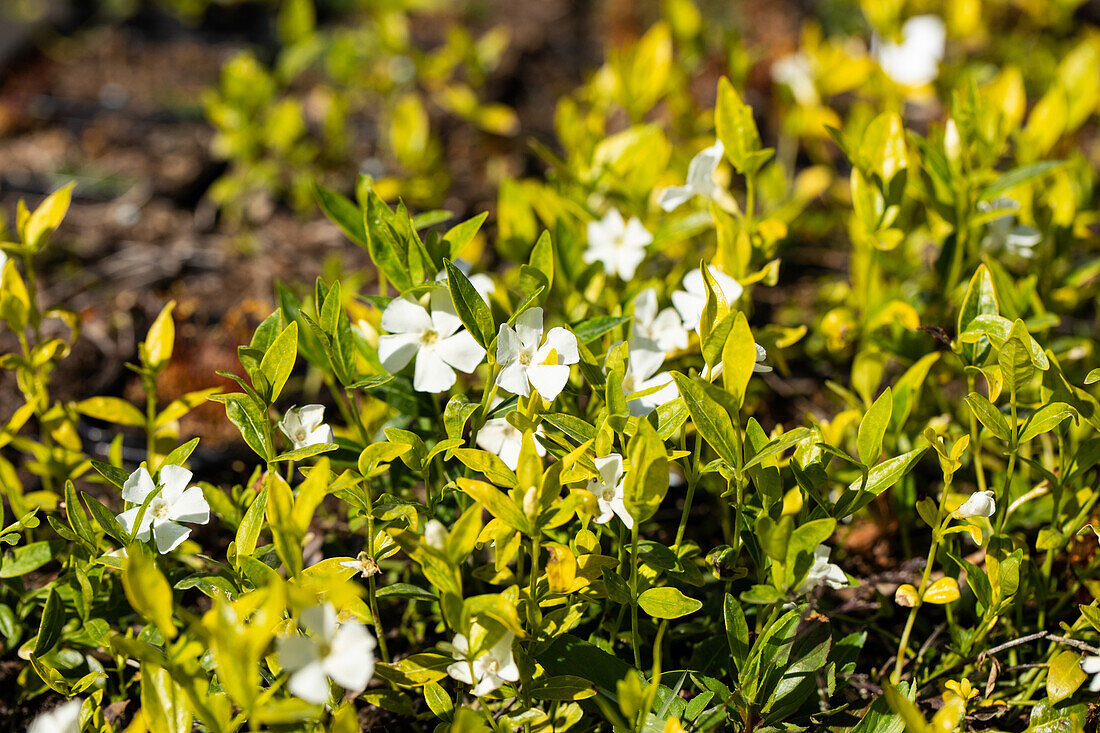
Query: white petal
pixel 138 486
pixel 403 315
pixel 461 351
pixel 610 468
pixel 674 196
pixel 513 378
pixel 508 345
pixel 397 350
pixel 645 359
pixel 492 435
pixel 645 308
pixel 529 326
pixel 485 685
pixel 548 379
pixel 619 508
pixel 460 671
pixel 636 236
pixel 126 519
pixel 564 343
pixel 319 621
pixel 318 436
pixel 190 507
pixel 483 284
pixel 432 373
pixel 296 652
pixel 690 307
pixel 700 175
pixel 628 261
pixel 310 683
pixel 312 416
pixel 169 535
pixel 444 316
pixel 606 512
pixel 173 480
pixel 351 663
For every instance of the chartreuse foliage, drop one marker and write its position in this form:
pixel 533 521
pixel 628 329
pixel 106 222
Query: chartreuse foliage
pixel 566 494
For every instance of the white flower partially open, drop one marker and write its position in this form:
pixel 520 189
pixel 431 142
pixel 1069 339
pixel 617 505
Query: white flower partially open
pixel 665 329
pixel 528 361
pixel 608 488
pixel 175 503
pixel 916 60
pixel 823 572
pixel 644 359
pixel 619 245
pixel 487 672
pixel 691 301
pixel 796 72
pixel 501 438
pixel 305 426
pixel 700 179
pixel 980 504
pixel 435 340
pixel 343 652
pixel 63 719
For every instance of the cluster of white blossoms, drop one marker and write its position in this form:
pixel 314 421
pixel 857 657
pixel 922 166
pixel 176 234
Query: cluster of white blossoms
pixel 342 652
pixel 158 517
pixel 489 670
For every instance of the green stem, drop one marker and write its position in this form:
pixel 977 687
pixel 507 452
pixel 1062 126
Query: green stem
pixel 371 594
pixel 635 638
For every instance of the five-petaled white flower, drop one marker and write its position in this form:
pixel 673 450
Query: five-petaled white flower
pixel 608 488
pixel 488 671
pixel 435 340
pixel 823 572
pixel 700 179
pixel 916 60
pixel 796 72
pixel 1019 240
pixel 1091 665
pixel 665 329
pixel 482 283
pixel 175 503
pixel 530 362
pixel 619 245
pixel 980 504
pixel 691 301
pixel 642 364
pixel 63 719
pixel 504 440
pixel 305 426
pixel 341 651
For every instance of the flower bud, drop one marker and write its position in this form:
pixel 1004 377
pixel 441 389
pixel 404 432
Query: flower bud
pixel 980 504
pixel 435 534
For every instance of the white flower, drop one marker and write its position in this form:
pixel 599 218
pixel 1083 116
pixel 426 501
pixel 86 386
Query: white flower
pixel 304 426
pixel 502 439
pixel 344 652
pixel 608 488
pixel 1091 665
pixel 700 179
pixel 916 60
pixel 3 263
pixel 760 367
pixel 435 534
pixel 980 504
pixel 641 375
pixel 665 329
pixel 691 301
pixel 619 245
pixel 526 362
pixel 62 719
pixel 1017 240
pixel 175 503
pixel 488 671
pixel 363 564
pixel 435 340
pixel 823 571
pixel 482 283
pixel 795 72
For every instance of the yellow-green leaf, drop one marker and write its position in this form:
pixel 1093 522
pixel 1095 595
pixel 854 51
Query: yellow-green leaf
pixel 147 590
pixel 667 602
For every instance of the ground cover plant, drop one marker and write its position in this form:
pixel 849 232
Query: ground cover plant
pixel 626 452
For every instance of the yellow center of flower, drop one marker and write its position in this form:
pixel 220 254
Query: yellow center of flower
pixel 429 337
pixel 607 494
pixel 159 508
pixel 525 357
pixel 494 665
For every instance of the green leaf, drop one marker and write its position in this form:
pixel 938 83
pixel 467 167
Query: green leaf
pixel 279 360
pixel 249 419
pixel 471 309
pixel 105 518
pixel 248 531
pixel 1017 176
pixel 462 234
pixel 78 520
pixel 667 602
pixel 49 630
pixel 1092 377
pixel 343 213
pixel 147 590
pixel 1046 418
pixel 879 479
pixel 735 127
pixel 591 329
pixel 711 420
pixel 989 416
pixel 1015 360
pixel 161 339
pixel 439 702
pixel 115 476
pixel 180 454
pixel 738 358
pixel 1064 675
pixel 778 445
pixel 112 410
pixel 980 299
pixel 873 427
pixel 47 217
pixel 647 480
pixel 27 558
pixel 488 464
pixel 498 503
pixel 737 630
